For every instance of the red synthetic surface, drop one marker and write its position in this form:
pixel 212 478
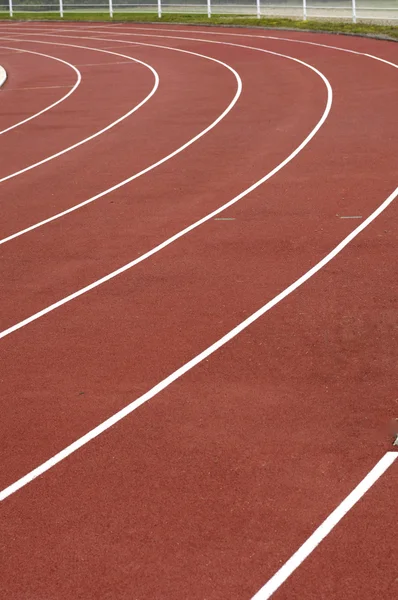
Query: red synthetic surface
pixel 209 488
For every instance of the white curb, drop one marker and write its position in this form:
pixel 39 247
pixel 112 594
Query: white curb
pixel 3 76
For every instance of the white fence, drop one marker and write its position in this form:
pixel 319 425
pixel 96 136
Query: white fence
pixel 353 10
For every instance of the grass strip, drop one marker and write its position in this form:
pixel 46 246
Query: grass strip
pixel 382 31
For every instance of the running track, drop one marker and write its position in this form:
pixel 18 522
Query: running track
pixel 122 142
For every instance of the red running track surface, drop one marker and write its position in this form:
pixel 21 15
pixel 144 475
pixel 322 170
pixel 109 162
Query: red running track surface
pixel 207 489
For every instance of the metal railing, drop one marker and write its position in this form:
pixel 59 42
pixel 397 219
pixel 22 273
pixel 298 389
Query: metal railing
pixel 353 10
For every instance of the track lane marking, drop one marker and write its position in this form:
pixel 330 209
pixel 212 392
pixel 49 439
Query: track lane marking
pixel 44 110
pixel 100 29
pixel 144 171
pixel 104 129
pixel 108 31
pixel 153 165
pixel 186 230
pixel 159 387
pixel 325 528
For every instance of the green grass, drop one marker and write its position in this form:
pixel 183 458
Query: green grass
pixel 388 31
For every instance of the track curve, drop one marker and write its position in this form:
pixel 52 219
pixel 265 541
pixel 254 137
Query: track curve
pixel 53 104
pixel 218 480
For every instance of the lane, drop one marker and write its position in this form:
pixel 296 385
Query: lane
pixel 123 60
pixel 364 545
pixel 53 82
pixel 52 134
pixel 366 45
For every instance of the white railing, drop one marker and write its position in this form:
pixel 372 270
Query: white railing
pixel 353 10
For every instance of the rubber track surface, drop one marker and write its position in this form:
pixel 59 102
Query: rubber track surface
pixel 206 490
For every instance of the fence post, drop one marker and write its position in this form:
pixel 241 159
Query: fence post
pixel 10 8
pixel 111 9
pixel 209 8
pixel 258 5
pixel 61 9
pixel 354 11
pixel 304 10
pixel 159 9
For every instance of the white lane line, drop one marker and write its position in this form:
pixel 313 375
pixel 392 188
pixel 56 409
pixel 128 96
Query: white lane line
pixel 44 110
pixel 183 232
pixel 3 76
pixel 153 165
pixel 104 129
pixel 109 30
pixel 325 528
pixel 305 550
pixel 100 29
pixel 127 410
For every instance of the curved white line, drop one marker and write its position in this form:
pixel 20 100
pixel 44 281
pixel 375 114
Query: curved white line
pixel 57 458
pixel 78 80
pixel 101 131
pixel 159 387
pixel 209 216
pixel 108 31
pixel 153 165
pixel 326 527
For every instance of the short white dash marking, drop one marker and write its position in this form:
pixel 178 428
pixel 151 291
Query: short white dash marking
pixel 105 64
pixel 39 87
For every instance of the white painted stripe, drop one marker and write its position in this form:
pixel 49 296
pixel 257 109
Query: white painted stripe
pixel 108 30
pixel 183 232
pixel 147 169
pixel 127 410
pixel 144 171
pixel 353 217
pixel 44 222
pixel 325 528
pixel 3 76
pixel 44 110
pixel 101 131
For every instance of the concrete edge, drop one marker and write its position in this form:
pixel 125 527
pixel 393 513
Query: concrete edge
pixel 3 76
